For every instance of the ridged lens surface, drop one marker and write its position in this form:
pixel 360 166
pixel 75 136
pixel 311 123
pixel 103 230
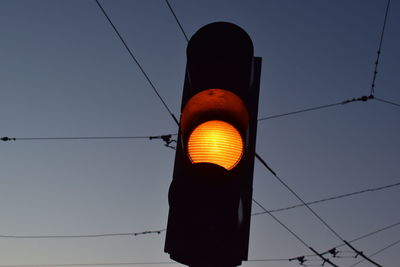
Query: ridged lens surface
pixel 216 142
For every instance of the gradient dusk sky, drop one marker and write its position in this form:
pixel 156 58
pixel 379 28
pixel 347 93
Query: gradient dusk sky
pixel 65 73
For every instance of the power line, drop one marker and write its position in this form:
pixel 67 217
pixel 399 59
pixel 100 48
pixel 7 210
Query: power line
pixel 298 197
pixel 334 252
pixel 294 234
pixel 379 49
pixel 89 264
pixel 333 198
pixel 377 252
pixel 372 233
pixel 5 139
pixel 119 263
pixel 361 254
pixel 355 99
pixel 177 21
pixel 387 101
pixel 137 62
pixel 304 203
pixel 83 236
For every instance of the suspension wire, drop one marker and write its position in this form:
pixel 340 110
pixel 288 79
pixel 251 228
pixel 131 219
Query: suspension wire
pixel 298 197
pixel 300 111
pixel 386 101
pixel 361 254
pixel 137 62
pixel 303 202
pixel 177 20
pixel 332 198
pixel 333 251
pixel 294 234
pixel 379 49
pixel 82 236
pixel 5 138
pixel 89 264
pixel 347 101
pixel 118 263
pixel 371 233
pixel 377 252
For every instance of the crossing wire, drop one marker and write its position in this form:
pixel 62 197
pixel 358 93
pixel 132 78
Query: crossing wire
pixel 137 62
pixel 378 252
pixel 333 198
pixel 308 207
pixel 379 49
pixel 295 235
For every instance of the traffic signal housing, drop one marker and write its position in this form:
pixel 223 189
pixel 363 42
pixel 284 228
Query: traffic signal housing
pixel 211 190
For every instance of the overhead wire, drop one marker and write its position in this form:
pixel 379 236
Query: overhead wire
pixel 336 253
pixel 89 264
pixel 120 263
pixel 83 235
pixel 368 190
pixel 387 101
pixel 137 62
pixel 355 99
pixel 5 138
pixel 163 230
pixel 378 252
pixel 308 207
pixel 379 48
pixel 262 161
pixel 177 20
pixel 294 234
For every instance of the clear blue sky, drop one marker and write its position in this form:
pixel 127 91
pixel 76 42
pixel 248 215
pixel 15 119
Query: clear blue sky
pixel 63 72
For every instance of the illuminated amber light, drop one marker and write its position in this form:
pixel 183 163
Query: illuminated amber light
pixel 216 142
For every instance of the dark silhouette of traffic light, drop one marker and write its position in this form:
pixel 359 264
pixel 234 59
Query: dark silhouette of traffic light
pixel 211 191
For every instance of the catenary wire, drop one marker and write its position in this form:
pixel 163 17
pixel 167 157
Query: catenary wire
pixel 379 49
pixel 354 240
pixel 162 230
pixel 177 21
pixel 137 62
pixel 119 263
pixel 262 161
pixel 308 207
pixel 80 138
pixel 387 101
pixel 333 198
pixel 90 264
pixel 293 233
pixel 355 99
pixel 378 252
pixel 83 236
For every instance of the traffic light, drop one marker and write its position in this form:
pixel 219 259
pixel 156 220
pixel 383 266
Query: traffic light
pixel 211 190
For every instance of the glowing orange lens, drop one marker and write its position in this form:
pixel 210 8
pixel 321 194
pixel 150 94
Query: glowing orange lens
pixel 215 142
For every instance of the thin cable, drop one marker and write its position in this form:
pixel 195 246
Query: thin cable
pixel 299 198
pixel 5 139
pixel 379 49
pixel 362 254
pixel 372 233
pixel 177 20
pixel 118 263
pixel 387 101
pixel 300 111
pixel 89 264
pixel 332 198
pixel 351 241
pixel 137 62
pixel 355 99
pixel 293 233
pixel 82 236
pixel 377 252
